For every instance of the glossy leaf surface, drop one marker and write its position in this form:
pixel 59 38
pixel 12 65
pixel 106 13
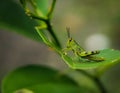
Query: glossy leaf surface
pixel 111 57
pixel 13 18
pixel 38 79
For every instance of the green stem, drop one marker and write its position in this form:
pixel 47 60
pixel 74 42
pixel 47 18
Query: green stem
pixel 50 29
pixel 46 19
pixel 36 17
pixel 100 85
pixel 51 9
pixel 47 42
pixel 96 80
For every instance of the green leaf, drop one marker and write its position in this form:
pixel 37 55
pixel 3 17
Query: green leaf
pixel 53 88
pixel 13 18
pixel 111 57
pixel 42 6
pixel 38 79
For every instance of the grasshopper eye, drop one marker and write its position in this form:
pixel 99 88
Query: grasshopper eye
pixel 70 39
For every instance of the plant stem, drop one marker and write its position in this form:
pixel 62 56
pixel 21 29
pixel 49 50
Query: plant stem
pixel 51 9
pixel 50 29
pixel 100 85
pixel 96 80
pixel 49 26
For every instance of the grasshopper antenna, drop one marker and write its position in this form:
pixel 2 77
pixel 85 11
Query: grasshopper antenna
pixel 68 31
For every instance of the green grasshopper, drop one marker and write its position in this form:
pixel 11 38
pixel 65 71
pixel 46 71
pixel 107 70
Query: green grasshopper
pixel 79 52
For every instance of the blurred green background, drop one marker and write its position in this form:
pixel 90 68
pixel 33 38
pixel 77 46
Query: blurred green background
pixel 94 24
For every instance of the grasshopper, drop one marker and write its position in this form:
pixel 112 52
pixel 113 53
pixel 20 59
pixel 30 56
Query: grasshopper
pixel 79 52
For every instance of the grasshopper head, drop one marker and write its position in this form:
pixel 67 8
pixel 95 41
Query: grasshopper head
pixel 70 42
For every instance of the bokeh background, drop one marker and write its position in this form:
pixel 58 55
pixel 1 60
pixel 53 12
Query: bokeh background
pixel 94 24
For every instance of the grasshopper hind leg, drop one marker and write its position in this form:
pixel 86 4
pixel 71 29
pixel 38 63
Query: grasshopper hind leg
pixel 94 58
